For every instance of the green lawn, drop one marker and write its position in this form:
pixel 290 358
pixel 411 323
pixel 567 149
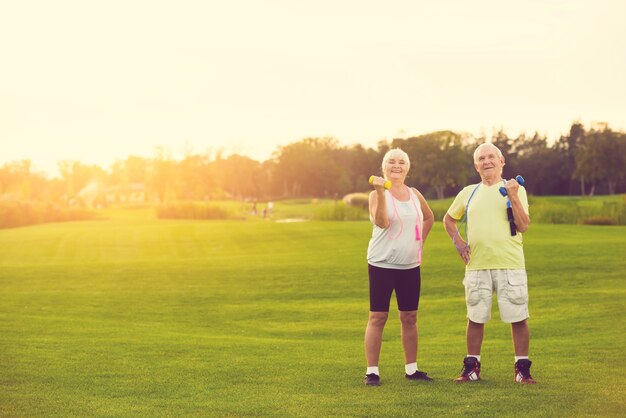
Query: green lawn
pixel 133 316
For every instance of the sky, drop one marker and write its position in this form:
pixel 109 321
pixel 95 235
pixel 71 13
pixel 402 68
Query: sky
pixel 98 81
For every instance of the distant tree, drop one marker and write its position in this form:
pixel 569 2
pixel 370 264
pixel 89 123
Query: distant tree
pixel 307 167
pixel 382 147
pixel 357 165
pixel 193 180
pixel 612 152
pixel 11 175
pixel 600 158
pixel 271 183
pixel 18 181
pixel 441 163
pixel 506 144
pixel 76 176
pixel 131 170
pixel 619 173
pixel 537 163
pixel 568 146
pixel 242 176
pixel 162 176
pixel 439 160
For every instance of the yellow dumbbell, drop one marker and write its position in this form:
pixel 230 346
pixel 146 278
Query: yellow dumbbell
pixel 387 183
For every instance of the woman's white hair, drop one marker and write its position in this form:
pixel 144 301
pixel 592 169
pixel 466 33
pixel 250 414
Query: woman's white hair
pixel 395 153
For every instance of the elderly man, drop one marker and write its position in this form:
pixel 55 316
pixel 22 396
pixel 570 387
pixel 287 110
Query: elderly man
pixel 494 258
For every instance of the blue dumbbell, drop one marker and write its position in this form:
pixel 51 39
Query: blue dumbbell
pixel 518 178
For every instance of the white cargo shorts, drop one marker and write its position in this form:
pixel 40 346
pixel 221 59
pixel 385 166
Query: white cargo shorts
pixel 511 287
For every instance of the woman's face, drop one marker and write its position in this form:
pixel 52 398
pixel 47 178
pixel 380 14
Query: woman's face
pixel 396 168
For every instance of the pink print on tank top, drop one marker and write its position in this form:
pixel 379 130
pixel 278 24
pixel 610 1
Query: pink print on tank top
pixel 418 235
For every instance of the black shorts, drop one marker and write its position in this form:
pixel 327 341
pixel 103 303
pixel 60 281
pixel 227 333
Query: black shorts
pixel 383 282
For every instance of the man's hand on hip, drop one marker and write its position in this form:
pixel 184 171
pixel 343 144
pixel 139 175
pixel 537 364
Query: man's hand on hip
pixel 464 251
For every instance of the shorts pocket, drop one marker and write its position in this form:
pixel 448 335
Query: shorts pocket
pixel 472 297
pixel 517 287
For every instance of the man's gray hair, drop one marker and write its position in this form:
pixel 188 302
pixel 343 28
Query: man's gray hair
pixel 487 144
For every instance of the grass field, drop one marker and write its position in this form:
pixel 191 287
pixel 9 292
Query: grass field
pixel 133 316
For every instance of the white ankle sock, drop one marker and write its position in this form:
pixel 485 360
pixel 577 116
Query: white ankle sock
pixel 371 370
pixel 410 368
pixel 474 355
pixel 521 358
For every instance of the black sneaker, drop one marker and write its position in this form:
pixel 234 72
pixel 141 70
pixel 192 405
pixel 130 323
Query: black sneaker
pixel 372 379
pixel 418 376
pixel 522 372
pixel 471 370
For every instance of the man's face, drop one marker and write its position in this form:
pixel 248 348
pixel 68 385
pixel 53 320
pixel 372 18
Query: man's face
pixel 488 163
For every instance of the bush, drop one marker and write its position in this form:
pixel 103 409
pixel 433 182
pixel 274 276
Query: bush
pixel 622 211
pixel 554 213
pixel 340 212
pixel 439 208
pixel 190 210
pixel 578 211
pixel 597 210
pixel 357 199
pixel 599 220
pixel 14 213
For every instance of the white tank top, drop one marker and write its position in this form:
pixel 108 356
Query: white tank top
pixel 400 245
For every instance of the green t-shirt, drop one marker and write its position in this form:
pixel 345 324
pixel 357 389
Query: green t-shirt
pixel 488 231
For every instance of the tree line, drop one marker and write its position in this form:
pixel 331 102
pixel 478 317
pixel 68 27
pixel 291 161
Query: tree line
pixel 583 162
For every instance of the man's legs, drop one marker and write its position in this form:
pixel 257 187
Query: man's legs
pixel 471 363
pixel 521 337
pixel 513 301
pixel 474 337
pixel 478 295
pixel 521 342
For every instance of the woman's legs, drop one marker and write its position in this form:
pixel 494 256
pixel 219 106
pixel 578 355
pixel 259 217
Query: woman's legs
pixel 408 320
pixel 408 286
pixel 374 336
pixel 381 288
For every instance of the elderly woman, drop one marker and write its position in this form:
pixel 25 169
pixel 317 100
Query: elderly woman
pixel 402 221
